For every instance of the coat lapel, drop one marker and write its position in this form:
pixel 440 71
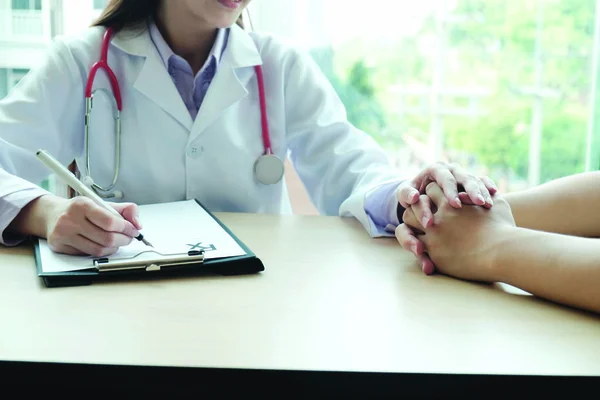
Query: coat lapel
pixel 229 84
pixel 153 80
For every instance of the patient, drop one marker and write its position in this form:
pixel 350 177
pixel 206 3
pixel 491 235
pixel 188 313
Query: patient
pixel 542 240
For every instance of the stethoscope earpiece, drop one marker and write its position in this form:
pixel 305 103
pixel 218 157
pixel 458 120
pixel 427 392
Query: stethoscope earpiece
pixel 118 194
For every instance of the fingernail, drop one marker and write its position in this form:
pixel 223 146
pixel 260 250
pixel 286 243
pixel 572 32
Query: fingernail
pixel 480 198
pixel 136 219
pixel 490 201
pixel 457 202
pixel 428 269
pixel 425 221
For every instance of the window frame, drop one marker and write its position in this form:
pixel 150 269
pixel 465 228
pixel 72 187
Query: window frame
pixel 97 6
pixel 33 5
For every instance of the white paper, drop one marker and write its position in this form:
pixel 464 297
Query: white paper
pixel 170 227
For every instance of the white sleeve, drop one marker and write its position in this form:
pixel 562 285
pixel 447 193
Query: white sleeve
pixel 45 110
pixel 338 163
pixel 15 193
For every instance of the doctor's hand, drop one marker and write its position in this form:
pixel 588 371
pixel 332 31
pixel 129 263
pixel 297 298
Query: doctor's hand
pixel 452 180
pixel 462 242
pixel 79 226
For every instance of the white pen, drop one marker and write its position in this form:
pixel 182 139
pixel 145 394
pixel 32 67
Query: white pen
pixel 70 179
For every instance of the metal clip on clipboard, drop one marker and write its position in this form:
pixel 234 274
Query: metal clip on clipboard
pixel 149 264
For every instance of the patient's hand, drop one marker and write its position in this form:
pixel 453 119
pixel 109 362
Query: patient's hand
pixel 460 242
pixel 452 179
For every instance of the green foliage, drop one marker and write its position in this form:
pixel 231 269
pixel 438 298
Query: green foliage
pixel 503 143
pixel 564 143
pixel 356 92
pixel 504 36
pixel 492 46
pixel 498 142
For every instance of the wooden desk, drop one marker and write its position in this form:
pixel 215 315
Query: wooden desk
pixel 330 299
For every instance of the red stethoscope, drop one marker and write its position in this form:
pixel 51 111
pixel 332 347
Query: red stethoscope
pixel 268 168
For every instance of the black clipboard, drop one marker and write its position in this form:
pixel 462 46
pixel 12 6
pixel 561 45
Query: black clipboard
pixel 190 264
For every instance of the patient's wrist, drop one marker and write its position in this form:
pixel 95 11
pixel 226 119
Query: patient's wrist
pixel 504 253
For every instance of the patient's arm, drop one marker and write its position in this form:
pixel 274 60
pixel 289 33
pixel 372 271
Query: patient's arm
pixel 564 269
pixel 569 205
pixel 485 245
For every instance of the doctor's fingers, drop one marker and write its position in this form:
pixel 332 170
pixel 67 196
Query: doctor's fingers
pixel 475 187
pixel 465 199
pixel 71 230
pixel 489 203
pixel 105 220
pixel 130 212
pixel 86 246
pixel 489 184
pixel 408 194
pixel 65 249
pixel 443 175
pixel 103 238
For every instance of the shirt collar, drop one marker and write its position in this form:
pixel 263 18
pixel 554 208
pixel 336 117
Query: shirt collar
pixel 165 52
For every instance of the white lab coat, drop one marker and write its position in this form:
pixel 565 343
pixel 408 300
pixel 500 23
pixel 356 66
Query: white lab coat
pixel 166 156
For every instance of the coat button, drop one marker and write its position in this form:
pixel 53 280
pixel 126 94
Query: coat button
pixel 195 151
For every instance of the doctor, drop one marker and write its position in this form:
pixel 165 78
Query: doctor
pixel 206 110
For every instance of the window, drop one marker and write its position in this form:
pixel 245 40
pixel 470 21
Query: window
pixel 502 87
pixel 9 78
pixel 100 4
pixel 15 75
pixel 26 4
pixel 3 83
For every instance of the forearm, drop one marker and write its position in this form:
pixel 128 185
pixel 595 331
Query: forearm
pixel 569 205
pixel 564 269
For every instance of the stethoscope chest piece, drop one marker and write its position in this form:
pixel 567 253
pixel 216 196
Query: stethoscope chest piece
pixel 268 169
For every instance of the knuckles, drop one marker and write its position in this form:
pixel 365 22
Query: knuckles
pixel 109 240
pixel 80 203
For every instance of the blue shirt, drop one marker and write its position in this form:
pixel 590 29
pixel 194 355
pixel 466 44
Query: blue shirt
pixel 380 204
pixel 191 88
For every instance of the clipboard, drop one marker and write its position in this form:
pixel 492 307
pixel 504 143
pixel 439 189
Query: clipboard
pixel 152 264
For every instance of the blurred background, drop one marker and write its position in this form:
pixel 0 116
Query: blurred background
pixel 506 88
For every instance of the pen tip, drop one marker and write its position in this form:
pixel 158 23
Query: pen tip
pixel 147 243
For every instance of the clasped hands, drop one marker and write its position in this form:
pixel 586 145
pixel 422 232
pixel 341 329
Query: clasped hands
pixel 451 221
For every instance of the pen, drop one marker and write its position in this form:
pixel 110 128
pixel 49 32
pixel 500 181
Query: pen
pixel 71 180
